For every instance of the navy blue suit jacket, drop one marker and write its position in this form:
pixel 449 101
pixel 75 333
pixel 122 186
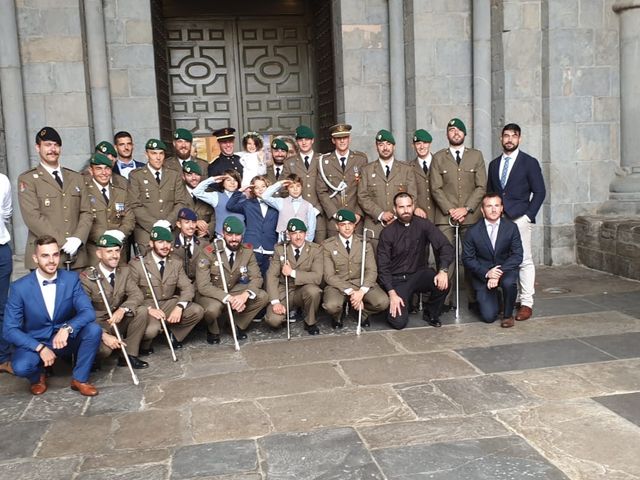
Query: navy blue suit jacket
pixel 261 231
pixel 26 320
pixel 524 192
pixel 479 256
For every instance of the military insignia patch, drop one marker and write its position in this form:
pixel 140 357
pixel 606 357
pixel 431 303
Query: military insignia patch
pixel 23 186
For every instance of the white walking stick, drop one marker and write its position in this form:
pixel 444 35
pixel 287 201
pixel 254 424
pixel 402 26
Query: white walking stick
pixel 364 249
pixel 456 226
pixel 285 244
pixel 216 244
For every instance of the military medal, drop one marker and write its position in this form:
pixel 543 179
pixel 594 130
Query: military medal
pixel 47 202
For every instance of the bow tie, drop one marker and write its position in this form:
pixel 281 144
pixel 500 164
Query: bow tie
pixel 124 166
pixel 49 282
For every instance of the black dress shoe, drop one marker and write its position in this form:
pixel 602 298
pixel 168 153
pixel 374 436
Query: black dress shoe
pixel 446 308
pixel 146 351
pixel 312 329
pixel 135 362
pixel 366 322
pixel 433 321
pixel 337 324
pixel 473 307
pixel 174 341
pixel 240 335
pixel 213 338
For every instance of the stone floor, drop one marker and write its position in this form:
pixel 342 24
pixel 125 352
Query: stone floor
pixel 555 397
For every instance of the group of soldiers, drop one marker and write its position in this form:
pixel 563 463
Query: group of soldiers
pixel 377 225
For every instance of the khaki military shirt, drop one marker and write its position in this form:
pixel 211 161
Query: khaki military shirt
pixel 424 200
pixel 125 293
pixel 348 198
pixel 342 270
pixel 173 284
pixel 308 267
pixel 117 214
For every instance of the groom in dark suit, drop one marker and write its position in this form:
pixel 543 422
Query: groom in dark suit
pixel 49 315
pixel 492 253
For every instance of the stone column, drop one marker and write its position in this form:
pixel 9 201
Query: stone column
pixel 481 15
pixel 13 111
pixel 397 77
pixel 625 189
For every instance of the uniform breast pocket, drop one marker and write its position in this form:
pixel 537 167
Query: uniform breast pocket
pixel 48 200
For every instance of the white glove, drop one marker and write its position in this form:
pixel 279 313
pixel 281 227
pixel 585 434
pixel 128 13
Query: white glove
pixel 72 245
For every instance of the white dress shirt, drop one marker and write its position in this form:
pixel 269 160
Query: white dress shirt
pixel 48 292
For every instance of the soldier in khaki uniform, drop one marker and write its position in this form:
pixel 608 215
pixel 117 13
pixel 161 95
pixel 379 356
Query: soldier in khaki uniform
pixel 338 175
pixel 421 165
pixel 182 143
pixel 155 193
pixel 279 151
pixel 50 198
pixel 187 246
pixel 172 287
pixel 304 268
pixel 381 181
pixel 191 177
pixel 243 278
pixel 342 264
pixel 106 195
pixel 305 165
pixel 458 180
pixel 124 298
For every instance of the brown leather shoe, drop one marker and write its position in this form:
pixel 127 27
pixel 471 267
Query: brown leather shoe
pixel 507 322
pixel 524 313
pixel 85 389
pixel 5 367
pixel 40 386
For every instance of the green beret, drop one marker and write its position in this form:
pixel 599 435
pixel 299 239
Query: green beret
pixel 345 215
pixel 304 132
pixel 233 225
pixel 108 241
pixel 106 148
pixel 155 144
pixel 279 144
pixel 385 136
pixel 161 233
pixel 191 167
pixel 183 134
pixel 100 159
pixel 422 136
pixel 459 124
pixel 296 225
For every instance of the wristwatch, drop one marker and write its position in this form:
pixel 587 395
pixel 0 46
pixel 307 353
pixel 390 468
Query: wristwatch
pixel 179 305
pixel 67 327
pixel 445 270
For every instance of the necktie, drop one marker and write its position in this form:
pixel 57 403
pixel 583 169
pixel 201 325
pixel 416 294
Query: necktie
pixel 297 254
pixel 458 159
pixel 104 194
pixel 187 247
pixel 306 162
pixel 424 167
pixel 346 245
pixel 161 262
pixel 158 177
pixel 277 173
pixel 505 170
pixel 343 162
pixel 49 282
pixel 388 171
pixel 112 279
pixel 494 234
pixel 231 259
pixel 56 175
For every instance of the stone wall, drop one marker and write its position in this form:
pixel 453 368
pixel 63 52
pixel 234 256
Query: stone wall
pixel 3 145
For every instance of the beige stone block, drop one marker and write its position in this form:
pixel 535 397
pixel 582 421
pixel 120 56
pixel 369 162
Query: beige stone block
pixel 340 407
pixel 119 83
pixel 531 16
pixel 151 429
pixel 211 422
pixel 138 32
pixel 52 49
pixel 76 435
pixel 66 110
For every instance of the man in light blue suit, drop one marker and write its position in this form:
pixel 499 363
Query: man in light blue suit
pixel 49 315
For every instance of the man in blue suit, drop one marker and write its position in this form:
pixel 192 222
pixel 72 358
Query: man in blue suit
pixel 49 315
pixel 492 253
pixel 517 178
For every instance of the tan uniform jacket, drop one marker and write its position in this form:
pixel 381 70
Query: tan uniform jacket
pixel 356 161
pixel 245 269
pixel 116 215
pixel 342 269
pixel 454 186
pixel 191 265
pixel 172 163
pixel 424 200
pixel 48 209
pixel 204 211
pixel 151 202
pixel 271 175
pixel 309 177
pixel 125 293
pixel 165 288
pixel 308 267
pixel 376 191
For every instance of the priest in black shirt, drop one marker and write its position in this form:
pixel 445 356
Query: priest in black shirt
pixel 402 269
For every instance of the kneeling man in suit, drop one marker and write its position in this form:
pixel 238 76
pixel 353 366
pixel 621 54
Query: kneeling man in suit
pixel 492 252
pixel 49 315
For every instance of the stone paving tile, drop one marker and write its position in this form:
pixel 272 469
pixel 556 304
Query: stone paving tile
pixel 583 438
pixel 432 431
pixel 578 381
pixel 48 469
pixel 406 368
pixel 13 406
pixel 248 385
pixel 427 401
pixel 525 356
pixel 55 403
pixel 580 280
pixel 146 472
pixel 150 429
pixel 214 459
pixel 323 454
pixel 115 399
pixel 554 307
pixel 622 345
pixel 346 406
pixel 617 300
pixel 213 422
pixel 626 405
pixel 499 458
pixel 119 460
pixel 21 439
pixel 76 435
pixel 210 360
pixel 482 394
